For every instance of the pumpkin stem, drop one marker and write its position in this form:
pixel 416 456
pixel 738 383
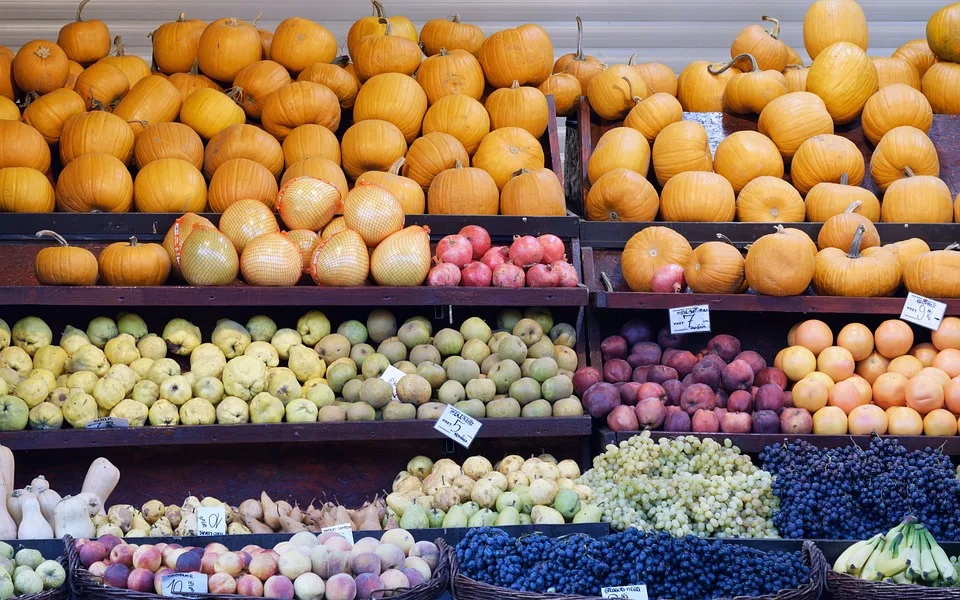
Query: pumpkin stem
pixel 143 123
pixel 607 284
pixel 455 19
pixel 378 9
pixel 235 93
pixel 96 105
pixel 52 234
pixel 778 228
pixel 854 207
pixel 633 60
pixel 725 239
pixel 519 172
pixel 397 164
pixel 30 97
pixel 579 55
pixel 42 52
pixel 515 85
pixel 753 64
pixel 443 52
pixel 844 179
pixel 195 69
pixel 855 244
pixel 952 246
pixel 908 172
pixel 80 8
pixel 775 32
pixel 388 30
pixel 133 241
pixel 255 20
pixel 457 165
pixel 342 61
pixel 181 18
pixel 636 99
pixel 118 42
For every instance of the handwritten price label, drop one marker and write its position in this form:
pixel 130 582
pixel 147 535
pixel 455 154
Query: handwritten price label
pixel 344 530
pixel 458 426
pixel 107 423
pixel 923 311
pixel 631 592
pixel 211 521
pixel 177 584
pixel 392 375
pixel 690 319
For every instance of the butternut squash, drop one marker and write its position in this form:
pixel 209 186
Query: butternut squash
pixel 72 517
pixel 7 467
pixel 102 477
pixel 48 503
pixel 8 528
pixel 39 484
pixel 13 505
pixel 33 526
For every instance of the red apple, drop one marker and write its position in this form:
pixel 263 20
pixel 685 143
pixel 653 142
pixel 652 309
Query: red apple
pixel 248 585
pixel 221 583
pixel 147 557
pixel 278 586
pixel 123 554
pixel 263 566
pixel 736 422
pixel 230 563
pixel 140 580
pixel 92 552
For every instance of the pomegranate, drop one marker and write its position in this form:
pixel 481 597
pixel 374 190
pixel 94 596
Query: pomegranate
pixel 568 274
pixel 508 275
pixel 479 239
pixel 444 275
pixel 476 274
pixel 455 249
pixel 552 246
pixel 495 256
pixel 525 251
pixel 668 279
pixel 541 275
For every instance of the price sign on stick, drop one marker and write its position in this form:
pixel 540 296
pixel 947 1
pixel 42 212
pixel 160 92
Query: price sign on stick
pixel 458 426
pixel 176 584
pixel 923 311
pixel 392 375
pixel 690 319
pixel 107 423
pixel 211 521
pixel 630 592
pixel 344 530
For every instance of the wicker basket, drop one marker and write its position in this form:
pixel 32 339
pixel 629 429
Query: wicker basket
pixel 848 587
pixel 57 594
pixel 87 587
pixel 465 588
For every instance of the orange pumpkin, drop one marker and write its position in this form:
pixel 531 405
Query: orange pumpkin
pixel 238 179
pixel 659 77
pixel 48 113
pixel 745 155
pixel 168 140
pixel 25 190
pixel 781 263
pixel 75 70
pixel 208 112
pixel 896 70
pixel 318 168
pixel 96 132
pixel 830 21
pixel 653 114
pixel 8 84
pixel 796 77
pixel 751 90
pixel 622 195
pixel 581 66
pixel 715 268
pixel 395 98
pixel 900 149
pixel 907 249
pixel 460 116
pixel 299 42
pixel 768 199
pixel 371 145
pixel 920 199
pixel 450 34
pixel 308 141
pixel 95 182
pixel 794 118
pixel 300 103
pixel 188 83
pixel 448 73
pixel 431 154
pixel 385 53
pixel 524 107
pixel 175 44
pixel 619 147
pixel 893 106
pixel 934 274
pixel 681 147
pixel 40 66
pixel 243 141
pixel 134 67
pixel 523 53
pixel 942 33
pixel 505 151
pixel 826 199
pixel 845 78
pixel 340 81
pixel 151 100
pixel 615 91
pixel 699 90
pixel 765 45
pixel 84 42
pixel 376 25
pixel 170 185
pixel 698 196
pixel 132 264
pixel 940 87
pixel 839 230
pixel 533 193
pixel 102 86
pixel 266 38
pixel 23 146
pixel 257 82
pixel 65 264
pixel 463 191
pixel 648 250
pixel 918 54
pixel 226 46
pixel 406 190
pixel 566 92
pixel 826 158
pixel 9 111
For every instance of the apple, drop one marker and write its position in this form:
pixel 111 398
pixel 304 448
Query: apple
pixel 98 568
pixel 209 562
pixel 110 541
pixel 53 574
pixel 221 583
pixel 216 547
pixel 147 557
pixel 251 549
pixel 140 580
pixel 158 579
pixel 123 554
pixel 170 556
pixel 248 585
pixel 263 566
pixel 278 586
pixel 309 586
pixel 92 552
pixel 188 562
pixel 230 563
pixel 247 557
pixel 116 575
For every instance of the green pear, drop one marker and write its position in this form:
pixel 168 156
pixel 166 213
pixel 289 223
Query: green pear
pixel 132 324
pixel 231 337
pixel 101 330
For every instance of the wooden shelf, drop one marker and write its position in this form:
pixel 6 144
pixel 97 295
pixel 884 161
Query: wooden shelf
pixel 752 303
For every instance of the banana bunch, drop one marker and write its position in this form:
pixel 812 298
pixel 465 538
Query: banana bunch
pixel 906 554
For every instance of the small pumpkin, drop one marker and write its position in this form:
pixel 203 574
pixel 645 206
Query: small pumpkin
pixel 175 44
pixel 715 268
pixel 907 249
pixel 395 98
pixel 208 112
pixel 238 179
pixel 102 86
pixel 132 264
pixel 619 147
pixel 681 146
pixel 226 46
pixel 266 38
pixel 524 107
pixel 376 25
pixel 861 272
pixel 845 78
pixel 134 67
pixel 622 195
pixel 151 100
pixel 460 116
pixel 615 91
pixel 299 103
pixel 762 44
pixel 40 66
pixel 658 77
pixel 371 145
pixel 796 77
pixel 830 21
pixel 583 67
pixel 308 141
pixel 454 72
pixel 918 54
pixel 505 151
pixel 97 131
pixel 943 31
pixel 431 154
pixel 9 111
pixel 768 199
pixel 463 191
pixel 406 190
pixel 169 185
pixel 450 34
pixel 523 53
pixel 893 106
pixel 23 146
pixel 652 114
pixel 84 42
pixel 75 70
pixel 839 230
pixel 385 53
pixel 934 274
pixel 188 83
pixel 49 112
pixel 533 193
pixel 168 140
pixel 566 92
pixel 699 90
pixel 243 141
pixel 25 190
pixel 794 118
pixel 745 155
pixel 781 263
pixel 299 42
pixel 8 83
pixel 896 70
pixel 940 86
pixel 258 81
pixel 826 158
pixel 648 250
pixel 750 91
pixel 899 149
pixel 95 182
pixel 64 264
pixel 698 196
pixel 827 199
pixel 340 81
pixel 318 168
pixel 917 199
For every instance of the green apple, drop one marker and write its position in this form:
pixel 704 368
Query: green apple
pixel 28 557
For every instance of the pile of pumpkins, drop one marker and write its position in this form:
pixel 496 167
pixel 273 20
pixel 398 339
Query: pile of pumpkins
pixel 798 107
pixel 451 128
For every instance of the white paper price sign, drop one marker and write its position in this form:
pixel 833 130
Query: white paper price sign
pixel 632 592
pixel 458 426
pixel 392 375
pixel 176 584
pixel 690 319
pixel 923 311
pixel 344 530
pixel 107 423
pixel 211 521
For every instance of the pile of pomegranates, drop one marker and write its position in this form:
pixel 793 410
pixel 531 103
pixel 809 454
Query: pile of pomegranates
pixel 649 381
pixel 469 259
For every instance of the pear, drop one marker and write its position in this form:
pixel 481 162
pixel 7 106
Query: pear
pixel 209 389
pixel 152 346
pixel 31 334
pixel 262 328
pixel 231 337
pixel 45 415
pixel 339 373
pixel 305 363
pixel 132 324
pixel 301 410
pixel 177 390
pixel 146 392
pixel 141 367
pixel 381 324
pixel 4 334
pixel 79 409
pixel 181 336
pixel 122 349
pixel 83 381
pixel 232 410
pixel 283 340
pixel 320 394
pixel 283 384
pixel 313 327
pixel 245 377
pixel 51 358
pixel 124 375
pixel 108 393
pixel 265 408
pixel 198 411
pixel 263 351
pixel 88 358
pixel 163 414
pixel 71 339
pixel 476 328
pixel 162 369
pixel 207 360
pixel 131 410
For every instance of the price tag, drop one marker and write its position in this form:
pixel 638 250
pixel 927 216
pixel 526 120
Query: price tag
pixel 176 584
pixel 632 592
pixel 211 521
pixel 690 319
pixel 458 426
pixel 107 423
pixel 344 530
pixel 923 311
pixel 392 375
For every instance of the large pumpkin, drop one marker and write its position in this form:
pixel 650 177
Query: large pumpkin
pixel 8 84
pixel 84 42
pixel 934 274
pixel 619 147
pixel 505 151
pixel 699 90
pixel 651 115
pixel 371 145
pixel 151 100
pixel 23 146
pixel 131 264
pixel 533 193
pixel 745 155
pixel 25 190
pixel 257 82
pixel 239 179
pixel 96 132
pixel 582 66
pixel 102 86
pixel 226 46
pixel 385 53
pixel 901 149
pixel 616 90
pixel 376 24
pixel 918 54
pixel 870 272
pixel 893 106
pixel 622 195
pixel 395 98
pixel 300 103
pixel 170 185
pixel 188 83
pixel 659 77
pixel 318 168
pixel 134 67
pixel 9 111
pixel 460 116
pixel 830 21
pixel 516 106
pixel 828 199
pixel 698 196
pixel 844 77
pixel 680 147
pixel 49 112
pixel 523 53
pixel 940 86
pixel 794 118
pixel 751 91
pixel 65 264
pixel 450 34
pixel 648 250
pixel 208 112
pixel 308 141
pixel 839 230
pixel 175 44
pixel 715 268
pixel 907 249
pixel 95 182
pixel 920 199
pixel 943 33
pixel 447 73
pixel 764 45
pixel 40 66
pixel 341 82
pixel 299 42
pixel 463 191
pixel 769 199
pixel 894 70
pixel 168 140
pixel 243 141
pixel 781 263
pixel 407 191
pixel 826 158
pixel 431 154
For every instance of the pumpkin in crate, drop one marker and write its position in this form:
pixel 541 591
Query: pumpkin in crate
pixel 395 98
pixel 826 158
pixel 918 54
pixel 907 249
pixel 385 53
pixel 616 90
pixel 698 196
pixel 659 77
pixel 460 116
pixel 23 146
pixel 226 46
pixel 448 73
pixel 25 190
pixel 377 25
pixel 917 199
pixel 830 21
pixel 308 203
pixel 751 90
pixel 182 228
pixel 505 151
pixel 619 147
pixel 781 263
pixel 844 77
pixel 827 199
pixel 132 264
pixel 168 140
pixel 796 78
pixel 245 220
pixel 893 106
pixel 535 192
pixel 763 45
pixel 373 212
pixel 9 111
pixel 102 86
pixel 40 66
pixel 651 115
pixel 371 145
pixel 175 44
pixel 95 181
pixel 859 272
pixel 406 190
pixel 298 43
pixel 462 191
pixel 768 199
pixel 892 70
pixel 582 66
pixel 838 231
pixel 319 168
pixel 271 259
pixel 169 185
pixel 648 250
pixel 794 118
pixel 134 67
pixel 622 195
pixel 49 112
pixel 341 82
pixel 300 103
pixel 84 42
pixel 523 53
pixel 340 260
pixel 940 86
pixel 243 141
pixel 151 100
pixel 208 112
pixel 680 147
pixel 524 107
pixel 308 141
pixel 943 33
pixel 715 268
pixel 240 178
pixel 450 34
pixel 96 132
pixel 566 92
pixel 188 83
pixel 64 264
pixel 745 155
pixel 699 90
pixel 403 259
pixel 207 257
pixel 256 82
pixel 899 150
